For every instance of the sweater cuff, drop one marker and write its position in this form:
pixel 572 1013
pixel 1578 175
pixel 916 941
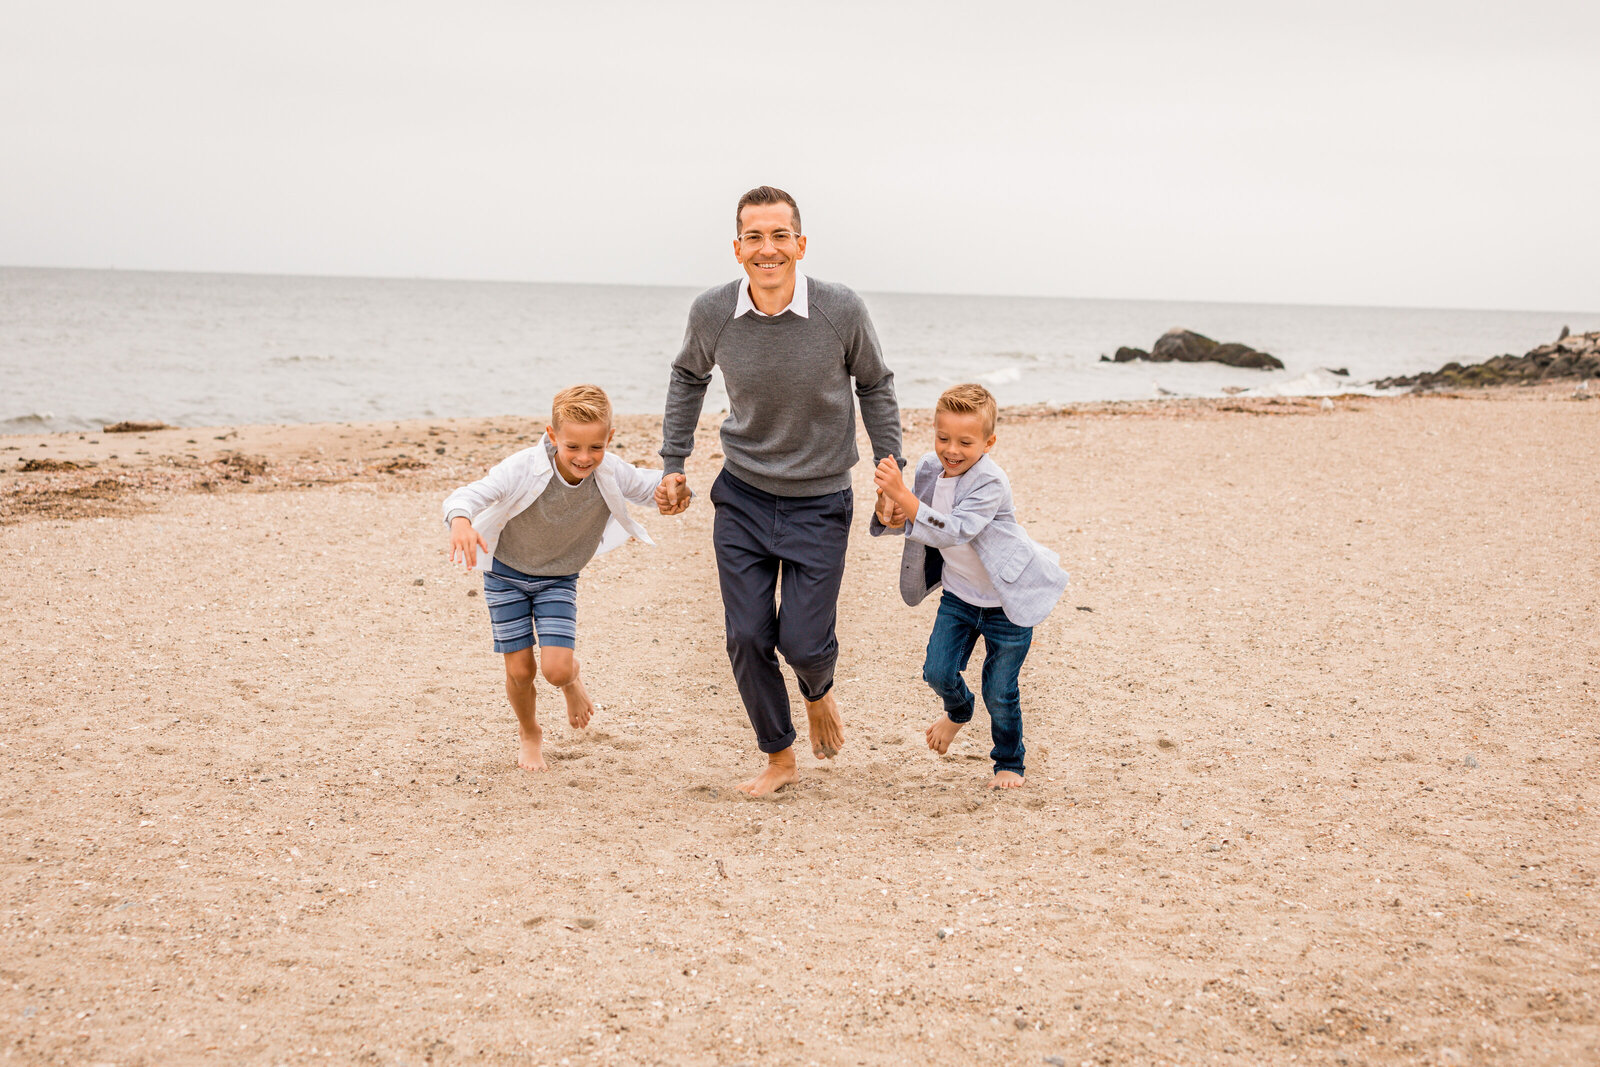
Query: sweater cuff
pixel 457 513
pixel 671 465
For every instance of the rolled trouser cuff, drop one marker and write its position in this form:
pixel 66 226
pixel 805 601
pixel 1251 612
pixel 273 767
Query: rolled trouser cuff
pixel 771 747
pixel 810 699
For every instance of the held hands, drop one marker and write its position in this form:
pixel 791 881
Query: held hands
pixel 465 541
pixel 889 513
pixel 672 495
pixel 896 503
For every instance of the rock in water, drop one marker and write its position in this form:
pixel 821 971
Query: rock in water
pixel 1237 355
pixel 1128 355
pixel 1185 346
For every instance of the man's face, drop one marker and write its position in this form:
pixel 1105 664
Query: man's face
pixel 580 448
pixel 767 246
pixel 959 441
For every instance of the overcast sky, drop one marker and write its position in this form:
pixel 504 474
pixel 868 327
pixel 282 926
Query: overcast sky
pixel 1435 154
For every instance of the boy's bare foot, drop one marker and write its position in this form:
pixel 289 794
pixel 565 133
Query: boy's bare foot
pixel 531 758
pixel 941 733
pixel 779 772
pixel 827 731
pixel 579 707
pixel 1006 780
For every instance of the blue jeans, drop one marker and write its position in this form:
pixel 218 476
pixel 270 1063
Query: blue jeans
pixel 955 632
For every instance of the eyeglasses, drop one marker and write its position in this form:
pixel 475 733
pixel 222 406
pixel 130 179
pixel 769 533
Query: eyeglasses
pixel 780 238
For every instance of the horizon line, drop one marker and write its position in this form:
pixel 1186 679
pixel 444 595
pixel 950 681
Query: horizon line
pixel 312 275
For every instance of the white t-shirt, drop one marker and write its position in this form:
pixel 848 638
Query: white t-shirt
pixel 963 570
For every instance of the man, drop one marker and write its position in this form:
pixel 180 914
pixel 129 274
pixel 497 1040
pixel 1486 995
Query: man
pixel 789 347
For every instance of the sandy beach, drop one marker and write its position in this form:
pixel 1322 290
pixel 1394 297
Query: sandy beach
pixel 1311 775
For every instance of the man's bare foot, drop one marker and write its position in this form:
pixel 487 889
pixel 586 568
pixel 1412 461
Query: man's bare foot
pixel 779 772
pixel 531 758
pixel 941 733
pixel 827 732
pixel 1006 780
pixel 579 707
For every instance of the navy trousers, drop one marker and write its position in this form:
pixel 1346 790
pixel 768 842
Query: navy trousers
pixel 762 541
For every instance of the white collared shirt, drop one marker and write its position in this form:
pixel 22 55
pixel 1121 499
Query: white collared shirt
pixel 799 304
pixel 516 482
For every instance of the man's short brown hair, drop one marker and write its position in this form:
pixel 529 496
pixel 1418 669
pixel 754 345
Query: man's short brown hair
pixel 970 398
pixel 760 196
pixel 581 403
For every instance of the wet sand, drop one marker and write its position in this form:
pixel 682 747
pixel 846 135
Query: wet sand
pixel 1311 763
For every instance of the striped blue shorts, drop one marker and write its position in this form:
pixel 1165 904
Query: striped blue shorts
pixel 527 610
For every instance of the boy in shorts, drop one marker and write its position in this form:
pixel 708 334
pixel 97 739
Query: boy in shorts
pixel 962 532
pixel 538 516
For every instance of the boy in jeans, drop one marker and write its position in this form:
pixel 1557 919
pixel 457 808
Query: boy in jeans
pixel 538 516
pixel 962 532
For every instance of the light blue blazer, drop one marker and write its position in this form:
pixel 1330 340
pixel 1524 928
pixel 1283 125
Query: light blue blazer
pixel 1025 574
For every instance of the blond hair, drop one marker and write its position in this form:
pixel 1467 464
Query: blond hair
pixel 581 403
pixel 970 398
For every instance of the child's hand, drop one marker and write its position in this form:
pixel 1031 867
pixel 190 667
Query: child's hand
pixel 893 489
pixel 465 541
pixel 887 478
pixel 672 495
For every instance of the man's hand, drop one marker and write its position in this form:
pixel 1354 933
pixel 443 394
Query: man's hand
pixel 672 495
pixel 889 513
pixel 465 541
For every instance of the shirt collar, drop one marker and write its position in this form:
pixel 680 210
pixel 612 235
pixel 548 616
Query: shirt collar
pixel 799 304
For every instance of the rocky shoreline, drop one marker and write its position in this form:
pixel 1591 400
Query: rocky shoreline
pixel 1571 356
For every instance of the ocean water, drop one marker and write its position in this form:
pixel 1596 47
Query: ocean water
pixel 82 348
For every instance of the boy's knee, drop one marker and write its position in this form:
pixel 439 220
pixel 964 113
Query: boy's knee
pixel 940 676
pixel 520 673
pixel 560 674
pixel 1008 692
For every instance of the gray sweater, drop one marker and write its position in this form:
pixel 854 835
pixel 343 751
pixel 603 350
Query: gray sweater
pixel 558 533
pixel 791 425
